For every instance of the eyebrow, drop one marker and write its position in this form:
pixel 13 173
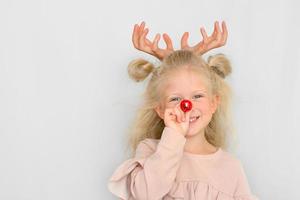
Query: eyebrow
pixel 204 91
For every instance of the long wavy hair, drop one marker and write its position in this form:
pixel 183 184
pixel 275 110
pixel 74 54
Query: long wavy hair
pixel 148 124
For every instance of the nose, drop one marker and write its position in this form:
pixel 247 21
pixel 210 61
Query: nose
pixel 186 105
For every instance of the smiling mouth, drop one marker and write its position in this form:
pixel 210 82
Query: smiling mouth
pixel 193 119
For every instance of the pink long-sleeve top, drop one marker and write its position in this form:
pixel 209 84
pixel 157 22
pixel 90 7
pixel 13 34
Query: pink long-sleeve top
pixel 161 169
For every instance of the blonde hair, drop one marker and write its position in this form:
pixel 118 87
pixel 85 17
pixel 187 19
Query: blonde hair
pixel 148 124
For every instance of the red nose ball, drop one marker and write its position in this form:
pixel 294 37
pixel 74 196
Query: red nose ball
pixel 186 105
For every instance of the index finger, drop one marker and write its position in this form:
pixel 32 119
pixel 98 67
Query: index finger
pixel 182 114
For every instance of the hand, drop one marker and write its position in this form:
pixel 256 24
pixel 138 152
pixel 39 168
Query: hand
pixel 176 119
pixel 217 39
pixel 141 43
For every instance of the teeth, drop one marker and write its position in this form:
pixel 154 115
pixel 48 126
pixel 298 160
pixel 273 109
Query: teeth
pixel 192 119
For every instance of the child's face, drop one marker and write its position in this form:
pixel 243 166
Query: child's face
pixel 185 84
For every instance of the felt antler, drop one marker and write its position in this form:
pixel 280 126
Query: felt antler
pixel 217 39
pixel 141 43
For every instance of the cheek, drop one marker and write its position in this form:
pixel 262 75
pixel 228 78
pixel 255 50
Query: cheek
pixel 172 104
pixel 203 105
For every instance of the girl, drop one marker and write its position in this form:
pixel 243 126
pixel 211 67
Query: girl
pixel 181 155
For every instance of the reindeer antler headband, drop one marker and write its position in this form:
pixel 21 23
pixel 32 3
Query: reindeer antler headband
pixel 140 41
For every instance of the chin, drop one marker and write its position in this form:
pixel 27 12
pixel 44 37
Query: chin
pixel 195 129
pixel 192 133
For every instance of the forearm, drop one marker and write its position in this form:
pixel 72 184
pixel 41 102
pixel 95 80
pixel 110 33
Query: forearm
pixel 155 177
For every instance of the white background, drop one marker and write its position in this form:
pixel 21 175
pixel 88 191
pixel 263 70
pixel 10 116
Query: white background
pixel 66 99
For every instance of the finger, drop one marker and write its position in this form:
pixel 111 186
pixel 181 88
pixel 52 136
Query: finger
pixel 178 115
pixel 168 41
pixel 184 40
pixel 135 39
pixel 169 114
pixel 182 114
pixel 187 117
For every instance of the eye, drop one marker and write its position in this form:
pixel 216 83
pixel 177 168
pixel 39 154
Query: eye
pixel 198 96
pixel 174 98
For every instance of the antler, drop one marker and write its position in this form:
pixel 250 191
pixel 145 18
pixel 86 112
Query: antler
pixel 141 43
pixel 217 39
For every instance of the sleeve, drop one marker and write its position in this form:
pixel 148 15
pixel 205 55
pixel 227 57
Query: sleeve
pixel 243 191
pixel 151 173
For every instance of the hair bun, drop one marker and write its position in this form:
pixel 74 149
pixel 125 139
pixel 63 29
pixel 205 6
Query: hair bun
pixel 220 65
pixel 139 69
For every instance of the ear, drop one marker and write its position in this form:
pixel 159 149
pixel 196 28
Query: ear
pixel 215 103
pixel 159 111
